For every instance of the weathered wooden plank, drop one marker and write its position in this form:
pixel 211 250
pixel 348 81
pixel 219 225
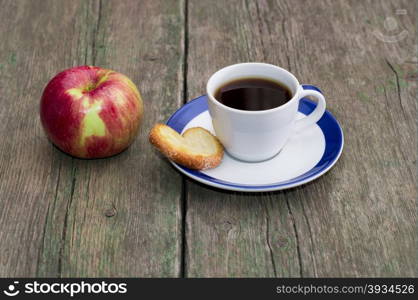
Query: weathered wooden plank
pixel 32 49
pixel 66 217
pixel 359 219
pixel 232 234
pixel 61 216
pixel 123 216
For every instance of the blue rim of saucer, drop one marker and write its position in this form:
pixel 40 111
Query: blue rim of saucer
pixel 332 131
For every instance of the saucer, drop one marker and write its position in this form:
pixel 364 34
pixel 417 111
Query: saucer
pixel 306 156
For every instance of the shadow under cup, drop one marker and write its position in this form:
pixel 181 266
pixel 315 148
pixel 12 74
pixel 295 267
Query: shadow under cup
pixel 253 135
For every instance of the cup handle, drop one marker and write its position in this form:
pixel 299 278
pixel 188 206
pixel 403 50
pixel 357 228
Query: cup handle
pixel 316 114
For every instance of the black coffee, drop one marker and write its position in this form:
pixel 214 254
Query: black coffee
pixel 253 94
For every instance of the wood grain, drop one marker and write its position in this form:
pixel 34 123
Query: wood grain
pixel 33 49
pixel 61 216
pixel 360 218
pixel 134 215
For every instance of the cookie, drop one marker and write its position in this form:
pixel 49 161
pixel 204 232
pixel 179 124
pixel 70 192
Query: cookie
pixel 196 149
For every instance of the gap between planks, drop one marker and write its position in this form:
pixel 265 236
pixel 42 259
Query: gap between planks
pixel 183 197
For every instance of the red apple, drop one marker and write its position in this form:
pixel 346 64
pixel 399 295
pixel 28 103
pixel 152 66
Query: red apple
pixel 90 112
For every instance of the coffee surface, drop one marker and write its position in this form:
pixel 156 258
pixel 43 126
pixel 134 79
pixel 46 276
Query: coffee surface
pixel 253 94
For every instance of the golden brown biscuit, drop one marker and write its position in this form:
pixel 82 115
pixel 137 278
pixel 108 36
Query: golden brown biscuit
pixel 196 149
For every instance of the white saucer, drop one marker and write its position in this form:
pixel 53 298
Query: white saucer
pixel 305 157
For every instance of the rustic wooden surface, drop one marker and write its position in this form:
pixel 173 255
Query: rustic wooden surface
pixel 134 215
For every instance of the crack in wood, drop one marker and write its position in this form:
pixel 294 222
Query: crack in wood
pixel 260 30
pixel 64 230
pixel 397 85
pixel 289 67
pixel 87 196
pixel 296 237
pixel 183 195
pixel 273 262
pixel 41 252
pixel 96 30
pixel 86 34
pixel 396 131
pixel 311 238
pixel 183 262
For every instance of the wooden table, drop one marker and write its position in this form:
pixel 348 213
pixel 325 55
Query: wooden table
pixel 134 215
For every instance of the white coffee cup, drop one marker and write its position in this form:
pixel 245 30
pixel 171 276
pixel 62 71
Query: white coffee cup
pixel 259 135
